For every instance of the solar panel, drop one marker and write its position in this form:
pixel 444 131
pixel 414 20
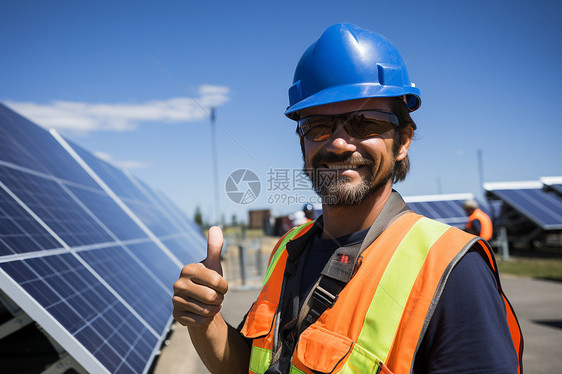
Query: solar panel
pixel 531 200
pixel 134 196
pixel 86 250
pixel 26 145
pixel 446 208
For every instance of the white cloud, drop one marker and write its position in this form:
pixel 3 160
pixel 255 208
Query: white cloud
pixel 121 164
pixel 80 118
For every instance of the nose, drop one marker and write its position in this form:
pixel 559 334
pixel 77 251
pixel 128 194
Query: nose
pixel 340 141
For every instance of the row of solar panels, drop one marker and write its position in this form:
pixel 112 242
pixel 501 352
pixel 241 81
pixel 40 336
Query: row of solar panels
pixel 537 204
pixel 538 201
pixel 86 250
pixel 521 206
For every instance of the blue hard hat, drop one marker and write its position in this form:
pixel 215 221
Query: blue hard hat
pixel 348 63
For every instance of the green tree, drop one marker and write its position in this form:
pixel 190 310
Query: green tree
pixel 198 217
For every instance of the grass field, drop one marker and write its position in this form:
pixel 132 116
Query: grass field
pixel 533 267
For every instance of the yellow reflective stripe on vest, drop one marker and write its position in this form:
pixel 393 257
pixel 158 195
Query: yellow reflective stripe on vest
pixel 385 311
pixel 361 361
pixel 294 370
pixel 260 358
pixel 281 248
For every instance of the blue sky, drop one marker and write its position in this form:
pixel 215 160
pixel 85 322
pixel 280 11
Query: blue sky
pixel 127 80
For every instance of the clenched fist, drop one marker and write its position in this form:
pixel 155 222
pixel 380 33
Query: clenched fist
pixel 199 292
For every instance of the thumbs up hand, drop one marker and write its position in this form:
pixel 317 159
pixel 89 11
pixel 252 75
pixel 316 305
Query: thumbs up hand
pixel 214 249
pixel 200 290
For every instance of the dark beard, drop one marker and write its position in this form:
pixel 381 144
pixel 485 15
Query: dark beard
pixel 335 189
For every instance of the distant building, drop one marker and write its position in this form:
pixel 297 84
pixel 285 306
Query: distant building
pixel 257 218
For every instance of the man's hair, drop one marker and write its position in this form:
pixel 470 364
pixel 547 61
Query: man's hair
pixel 401 168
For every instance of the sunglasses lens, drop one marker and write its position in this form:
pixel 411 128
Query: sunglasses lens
pixel 360 125
pixel 319 133
pixel 369 127
pixel 317 129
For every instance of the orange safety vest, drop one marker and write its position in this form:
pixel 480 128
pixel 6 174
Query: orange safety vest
pixel 379 318
pixel 486 228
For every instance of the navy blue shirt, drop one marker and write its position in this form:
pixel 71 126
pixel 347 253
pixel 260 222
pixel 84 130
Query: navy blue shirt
pixel 320 250
pixel 468 332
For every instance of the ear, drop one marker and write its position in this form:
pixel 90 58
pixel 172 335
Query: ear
pixel 406 134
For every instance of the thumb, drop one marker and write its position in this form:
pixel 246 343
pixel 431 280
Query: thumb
pixel 214 248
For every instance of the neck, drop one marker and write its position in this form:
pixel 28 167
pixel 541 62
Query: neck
pixel 344 220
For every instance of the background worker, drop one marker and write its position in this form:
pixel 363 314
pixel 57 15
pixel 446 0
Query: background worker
pixel 309 212
pixel 369 285
pixel 478 222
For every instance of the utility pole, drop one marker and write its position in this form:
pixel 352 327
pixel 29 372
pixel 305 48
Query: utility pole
pixel 481 171
pixel 215 166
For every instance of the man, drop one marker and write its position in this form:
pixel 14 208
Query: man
pixel 369 286
pixel 478 222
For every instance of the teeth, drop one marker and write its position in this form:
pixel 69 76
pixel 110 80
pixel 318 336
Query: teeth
pixel 341 166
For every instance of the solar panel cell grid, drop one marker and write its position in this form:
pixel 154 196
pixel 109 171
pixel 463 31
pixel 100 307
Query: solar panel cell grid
pixel 151 216
pixel 166 209
pixel 160 265
pixel 113 177
pixel 446 211
pixel 19 232
pixel 108 213
pixel 92 314
pixel 55 207
pixel 183 248
pixel 135 283
pixel 188 225
pixel 28 145
pixel 85 263
pixel 543 208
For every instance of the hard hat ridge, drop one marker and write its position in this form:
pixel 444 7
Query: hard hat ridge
pixel 347 63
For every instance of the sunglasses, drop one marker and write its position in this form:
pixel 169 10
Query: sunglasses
pixel 361 124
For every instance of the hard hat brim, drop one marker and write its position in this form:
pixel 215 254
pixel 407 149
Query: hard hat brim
pixel 353 92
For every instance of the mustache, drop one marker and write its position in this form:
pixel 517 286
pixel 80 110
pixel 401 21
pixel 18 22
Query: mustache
pixel 319 160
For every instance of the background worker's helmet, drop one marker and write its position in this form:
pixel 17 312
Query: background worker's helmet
pixel 470 204
pixel 348 63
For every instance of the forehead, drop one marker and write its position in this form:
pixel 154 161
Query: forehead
pixel 378 103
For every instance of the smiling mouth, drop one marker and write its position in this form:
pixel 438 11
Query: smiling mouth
pixel 343 166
